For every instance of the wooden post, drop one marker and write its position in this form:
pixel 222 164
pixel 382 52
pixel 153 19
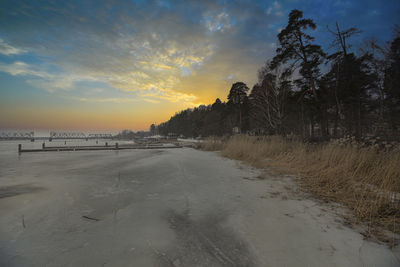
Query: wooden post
pixel 106 144
pixel 97 142
pixel 19 148
pixel 43 145
pixel 116 145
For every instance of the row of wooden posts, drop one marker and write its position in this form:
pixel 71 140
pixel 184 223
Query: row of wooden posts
pixel 44 146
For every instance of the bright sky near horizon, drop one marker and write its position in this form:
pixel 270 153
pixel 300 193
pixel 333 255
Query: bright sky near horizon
pixel 114 65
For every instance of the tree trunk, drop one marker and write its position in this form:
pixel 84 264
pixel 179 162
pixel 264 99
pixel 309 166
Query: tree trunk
pixel 335 126
pixel 240 118
pixel 303 125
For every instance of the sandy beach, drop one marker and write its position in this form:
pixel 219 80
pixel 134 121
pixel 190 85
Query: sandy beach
pixel 180 207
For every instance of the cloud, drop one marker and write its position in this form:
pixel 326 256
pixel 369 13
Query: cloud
pixel 106 100
pixel 57 82
pixel 19 68
pixel 217 22
pixel 42 79
pixel 155 52
pixel 374 12
pixel 156 89
pixel 175 54
pixel 340 3
pixel 274 9
pixel 169 96
pixel 7 49
pixel 276 5
pixel 152 101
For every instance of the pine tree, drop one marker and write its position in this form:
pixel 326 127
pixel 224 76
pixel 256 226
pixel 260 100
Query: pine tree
pixel 297 49
pixel 238 97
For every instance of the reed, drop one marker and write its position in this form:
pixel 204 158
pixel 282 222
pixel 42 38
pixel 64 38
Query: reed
pixel 364 179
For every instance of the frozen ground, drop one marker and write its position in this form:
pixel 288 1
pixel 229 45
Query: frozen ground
pixel 176 207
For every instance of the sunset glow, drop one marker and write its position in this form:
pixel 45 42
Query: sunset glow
pixel 124 65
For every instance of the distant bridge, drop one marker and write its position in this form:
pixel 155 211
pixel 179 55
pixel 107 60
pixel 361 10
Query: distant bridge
pixel 17 135
pixel 66 135
pixel 100 135
pixel 20 135
pixel 78 135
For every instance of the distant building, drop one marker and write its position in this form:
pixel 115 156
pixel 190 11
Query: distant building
pixel 172 136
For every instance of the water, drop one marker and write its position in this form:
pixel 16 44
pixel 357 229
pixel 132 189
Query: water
pixel 17 167
pixel 9 155
pixel 10 147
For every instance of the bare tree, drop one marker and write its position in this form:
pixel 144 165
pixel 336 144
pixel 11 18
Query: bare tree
pixel 268 98
pixel 379 64
pixel 340 60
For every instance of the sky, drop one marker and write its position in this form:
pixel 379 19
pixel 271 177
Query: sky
pixel 113 65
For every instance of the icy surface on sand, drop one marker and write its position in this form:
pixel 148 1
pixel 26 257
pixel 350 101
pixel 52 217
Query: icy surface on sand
pixel 179 207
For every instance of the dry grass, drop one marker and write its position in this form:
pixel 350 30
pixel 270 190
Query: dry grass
pixel 366 180
pixel 212 144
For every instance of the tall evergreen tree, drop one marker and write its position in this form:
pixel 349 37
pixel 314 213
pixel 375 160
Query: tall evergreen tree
pixel 238 97
pixel 298 52
pixel 392 82
pixel 297 49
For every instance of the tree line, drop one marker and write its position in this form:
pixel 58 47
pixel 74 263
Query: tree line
pixel 357 94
